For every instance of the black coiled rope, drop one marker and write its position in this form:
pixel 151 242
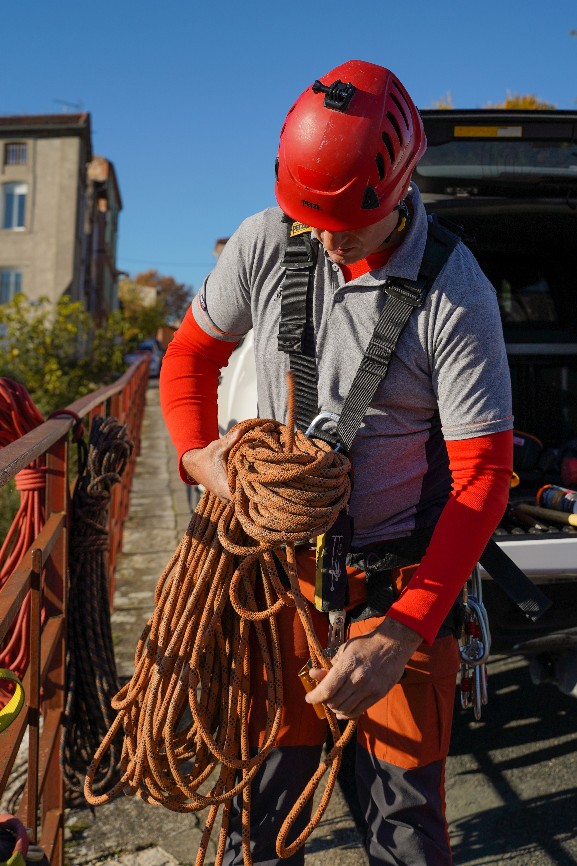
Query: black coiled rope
pixel 92 678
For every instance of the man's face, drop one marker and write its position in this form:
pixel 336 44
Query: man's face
pixel 346 247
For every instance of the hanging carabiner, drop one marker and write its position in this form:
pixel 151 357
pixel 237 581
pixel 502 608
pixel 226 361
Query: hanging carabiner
pixel 313 430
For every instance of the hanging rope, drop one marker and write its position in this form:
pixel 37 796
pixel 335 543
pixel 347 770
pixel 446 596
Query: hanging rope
pixel 18 416
pixel 193 656
pixel 92 679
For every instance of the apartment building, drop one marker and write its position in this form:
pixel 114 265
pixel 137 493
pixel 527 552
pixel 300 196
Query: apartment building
pixel 59 207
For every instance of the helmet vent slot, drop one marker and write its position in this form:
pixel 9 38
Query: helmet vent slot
pixel 395 124
pixel 389 145
pixel 408 161
pixel 370 199
pixel 401 109
pixel 380 159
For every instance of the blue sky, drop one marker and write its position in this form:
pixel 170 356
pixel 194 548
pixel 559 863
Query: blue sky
pixel 187 99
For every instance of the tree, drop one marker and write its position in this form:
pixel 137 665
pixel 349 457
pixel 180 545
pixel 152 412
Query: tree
pixel 523 102
pixel 445 103
pixel 56 351
pixel 142 312
pixel 174 297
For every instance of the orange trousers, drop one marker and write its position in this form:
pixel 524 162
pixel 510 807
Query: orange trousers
pixel 409 727
pixel 402 743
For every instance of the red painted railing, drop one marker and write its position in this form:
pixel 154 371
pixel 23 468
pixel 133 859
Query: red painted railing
pixel 43 572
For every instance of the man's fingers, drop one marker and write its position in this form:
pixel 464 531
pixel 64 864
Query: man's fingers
pixel 329 684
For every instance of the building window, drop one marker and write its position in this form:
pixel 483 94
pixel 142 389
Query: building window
pixel 10 284
pixel 14 205
pixel 15 153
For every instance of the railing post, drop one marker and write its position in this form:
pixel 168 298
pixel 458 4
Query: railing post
pixel 31 804
pixel 55 602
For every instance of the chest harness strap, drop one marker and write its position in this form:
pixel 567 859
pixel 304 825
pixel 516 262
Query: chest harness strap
pixel 296 330
pixel 296 337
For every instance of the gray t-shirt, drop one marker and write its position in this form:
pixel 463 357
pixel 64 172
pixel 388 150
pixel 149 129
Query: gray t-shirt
pixel 448 378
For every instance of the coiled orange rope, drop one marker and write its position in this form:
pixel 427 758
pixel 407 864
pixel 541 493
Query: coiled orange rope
pixel 193 656
pixel 19 415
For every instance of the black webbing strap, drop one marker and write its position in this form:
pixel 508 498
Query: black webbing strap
pixel 296 329
pixel 403 297
pixel 520 589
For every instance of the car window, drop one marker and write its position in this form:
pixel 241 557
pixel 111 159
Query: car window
pixel 481 155
pixel 491 159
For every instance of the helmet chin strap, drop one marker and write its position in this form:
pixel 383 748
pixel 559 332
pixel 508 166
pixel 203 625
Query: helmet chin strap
pixel 403 220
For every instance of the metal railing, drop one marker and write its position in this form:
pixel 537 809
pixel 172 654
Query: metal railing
pixel 43 572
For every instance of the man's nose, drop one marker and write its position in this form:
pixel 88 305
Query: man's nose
pixel 332 240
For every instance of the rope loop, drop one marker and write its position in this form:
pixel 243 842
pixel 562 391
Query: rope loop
pixel 30 479
pixel 78 427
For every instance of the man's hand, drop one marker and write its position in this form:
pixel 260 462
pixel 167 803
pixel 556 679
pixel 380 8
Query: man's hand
pixel 364 669
pixel 208 465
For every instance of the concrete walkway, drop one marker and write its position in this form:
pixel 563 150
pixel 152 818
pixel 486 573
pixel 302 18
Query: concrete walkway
pixel 128 831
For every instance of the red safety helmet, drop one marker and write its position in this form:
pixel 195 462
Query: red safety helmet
pixel 348 148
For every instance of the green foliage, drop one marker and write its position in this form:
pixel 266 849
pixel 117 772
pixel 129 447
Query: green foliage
pixel 9 502
pixel 151 300
pixel 142 313
pixel 55 351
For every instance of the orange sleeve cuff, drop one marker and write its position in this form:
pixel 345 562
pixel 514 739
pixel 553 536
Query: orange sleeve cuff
pixel 481 470
pixel 189 385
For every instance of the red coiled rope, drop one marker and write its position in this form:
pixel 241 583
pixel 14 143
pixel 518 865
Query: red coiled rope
pixel 19 415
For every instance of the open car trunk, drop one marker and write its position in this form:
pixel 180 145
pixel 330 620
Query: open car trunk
pixel 509 179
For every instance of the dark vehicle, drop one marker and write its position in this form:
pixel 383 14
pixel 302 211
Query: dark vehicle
pixel 155 349
pixel 509 180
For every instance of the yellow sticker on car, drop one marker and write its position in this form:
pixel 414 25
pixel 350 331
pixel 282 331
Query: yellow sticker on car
pixel 488 132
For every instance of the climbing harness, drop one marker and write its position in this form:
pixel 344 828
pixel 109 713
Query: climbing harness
pixel 296 338
pixel 194 654
pixel 296 330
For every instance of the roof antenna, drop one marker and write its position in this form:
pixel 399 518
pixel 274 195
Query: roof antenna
pixel 67 106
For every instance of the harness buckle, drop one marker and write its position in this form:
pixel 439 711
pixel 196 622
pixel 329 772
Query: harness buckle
pixel 411 294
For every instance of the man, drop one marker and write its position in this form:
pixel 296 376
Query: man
pixel 432 458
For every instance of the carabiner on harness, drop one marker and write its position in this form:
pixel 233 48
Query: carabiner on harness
pixel 475 647
pixel 314 430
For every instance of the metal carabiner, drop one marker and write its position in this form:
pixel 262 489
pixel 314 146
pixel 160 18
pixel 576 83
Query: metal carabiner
pixel 484 641
pixel 323 416
pixel 336 631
